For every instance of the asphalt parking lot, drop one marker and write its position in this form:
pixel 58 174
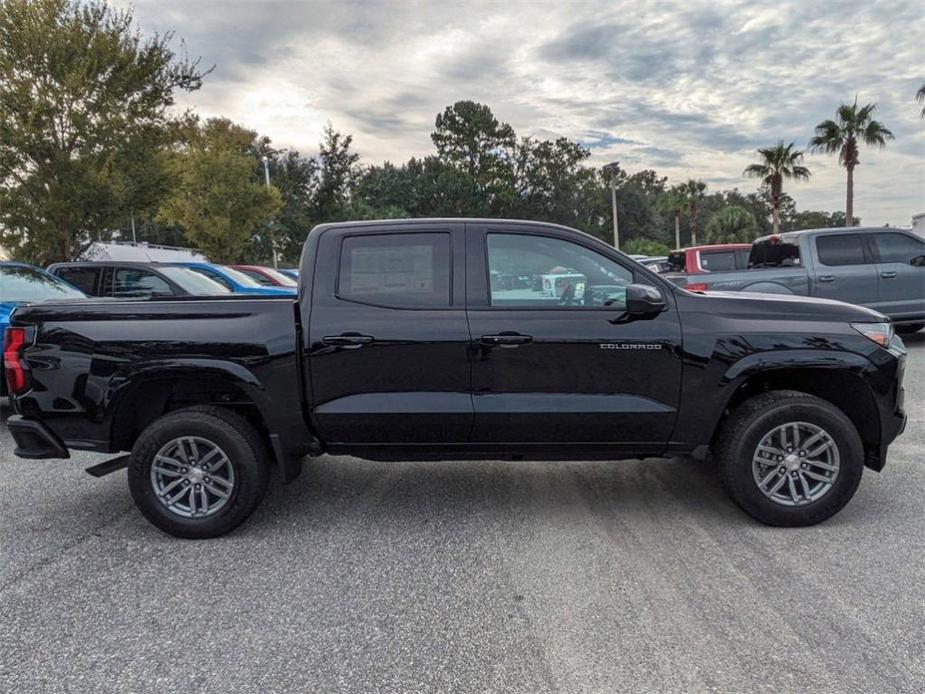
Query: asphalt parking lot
pixel 631 576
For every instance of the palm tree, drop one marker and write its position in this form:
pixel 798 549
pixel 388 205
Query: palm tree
pixel 920 96
pixel 853 126
pixel 732 224
pixel 693 192
pixel 774 165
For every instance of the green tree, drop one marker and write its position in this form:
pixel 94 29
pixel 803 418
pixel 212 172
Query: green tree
pixel 218 199
pixel 853 126
pixel 84 107
pixel 920 96
pixel 296 178
pixel 641 246
pixel 693 191
pixel 732 224
pixel 338 173
pixel 776 164
pixel 469 137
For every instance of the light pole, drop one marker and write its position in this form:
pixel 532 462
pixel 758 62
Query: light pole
pixel 616 223
pixel 266 175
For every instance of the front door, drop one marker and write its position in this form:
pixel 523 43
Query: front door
pixel 902 284
pixel 552 361
pixel 388 338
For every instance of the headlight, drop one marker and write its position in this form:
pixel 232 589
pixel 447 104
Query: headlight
pixel 881 333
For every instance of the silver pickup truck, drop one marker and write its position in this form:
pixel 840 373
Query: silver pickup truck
pixel 877 267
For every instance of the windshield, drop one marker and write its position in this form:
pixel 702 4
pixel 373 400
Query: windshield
pixel 25 284
pixel 238 276
pixel 192 282
pixel 281 279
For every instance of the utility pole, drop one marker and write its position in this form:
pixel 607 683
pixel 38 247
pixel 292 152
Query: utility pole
pixel 677 230
pixel 266 174
pixel 616 224
pixel 134 240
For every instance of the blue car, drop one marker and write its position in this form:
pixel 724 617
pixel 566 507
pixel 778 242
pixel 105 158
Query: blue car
pixel 234 280
pixel 24 284
pixel 290 272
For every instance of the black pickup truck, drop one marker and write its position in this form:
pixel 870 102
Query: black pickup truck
pixel 458 339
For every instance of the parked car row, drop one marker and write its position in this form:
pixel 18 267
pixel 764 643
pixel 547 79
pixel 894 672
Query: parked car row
pixel 128 279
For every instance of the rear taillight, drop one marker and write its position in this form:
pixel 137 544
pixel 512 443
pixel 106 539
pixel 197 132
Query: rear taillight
pixel 696 287
pixel 14 341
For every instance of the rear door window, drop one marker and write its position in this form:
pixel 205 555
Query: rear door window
pixel 841 249
pixel 717 261
pixel 410 270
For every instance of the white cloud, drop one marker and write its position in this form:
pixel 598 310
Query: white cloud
pixel 690 89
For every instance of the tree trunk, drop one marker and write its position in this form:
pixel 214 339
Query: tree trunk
pixel 694 228
pixel 849 199
pixel 775 215
pixel 677 229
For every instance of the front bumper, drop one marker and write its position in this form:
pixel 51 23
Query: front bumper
pixel 34 440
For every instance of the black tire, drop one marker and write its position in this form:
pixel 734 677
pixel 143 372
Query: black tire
pixel 241 444
pixel 909 328
pixel 751 421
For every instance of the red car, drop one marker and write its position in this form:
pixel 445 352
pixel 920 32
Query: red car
pixel 267 276
pixel 716 258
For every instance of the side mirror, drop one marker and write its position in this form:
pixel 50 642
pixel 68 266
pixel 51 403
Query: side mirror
pixel 918 261
pixel 643 300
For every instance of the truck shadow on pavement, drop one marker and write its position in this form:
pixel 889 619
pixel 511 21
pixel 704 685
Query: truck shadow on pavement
pixel 341 490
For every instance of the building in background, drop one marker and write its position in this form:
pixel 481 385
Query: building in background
pixel 918 224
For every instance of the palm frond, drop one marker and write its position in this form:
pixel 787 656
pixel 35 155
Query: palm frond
pixel 757 170
pixel 829 137
pixel 876 133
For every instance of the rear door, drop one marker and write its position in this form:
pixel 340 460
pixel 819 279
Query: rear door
pixel 845 269
pixel 901 284
pixel 388 337
pixel 552 364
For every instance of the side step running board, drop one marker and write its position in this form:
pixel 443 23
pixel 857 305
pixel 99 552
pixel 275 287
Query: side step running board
pixel 109 466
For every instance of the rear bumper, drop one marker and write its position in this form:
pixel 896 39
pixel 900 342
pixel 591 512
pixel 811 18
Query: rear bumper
pixel 34 440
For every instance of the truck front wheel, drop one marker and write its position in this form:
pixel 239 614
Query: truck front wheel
pixel 198 472
pixel 789 459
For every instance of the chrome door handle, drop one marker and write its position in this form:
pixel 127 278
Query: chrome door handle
pixel 347 340
pixel 506 339
pixel 826 278
pixel 888 275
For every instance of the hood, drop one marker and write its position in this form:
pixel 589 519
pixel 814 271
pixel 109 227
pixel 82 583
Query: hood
pixel 778 307
pixel 275 291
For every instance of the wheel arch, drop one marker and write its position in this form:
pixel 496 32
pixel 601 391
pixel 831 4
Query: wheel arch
pixel 155 392
pixel 843 388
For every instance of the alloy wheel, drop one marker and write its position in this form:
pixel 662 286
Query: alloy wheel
pixel 795 463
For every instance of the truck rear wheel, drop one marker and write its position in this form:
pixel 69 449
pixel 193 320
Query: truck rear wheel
pixel 198 472
pixel 789 459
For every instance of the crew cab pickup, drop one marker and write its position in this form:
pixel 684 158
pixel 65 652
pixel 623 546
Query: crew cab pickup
pixel 878 267
pixel 400 346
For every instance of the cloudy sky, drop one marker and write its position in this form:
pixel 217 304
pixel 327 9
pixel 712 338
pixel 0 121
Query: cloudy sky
pixel 690 88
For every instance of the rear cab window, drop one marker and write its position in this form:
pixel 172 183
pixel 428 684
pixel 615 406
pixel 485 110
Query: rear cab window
pixel 400 270
pixel 775 251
